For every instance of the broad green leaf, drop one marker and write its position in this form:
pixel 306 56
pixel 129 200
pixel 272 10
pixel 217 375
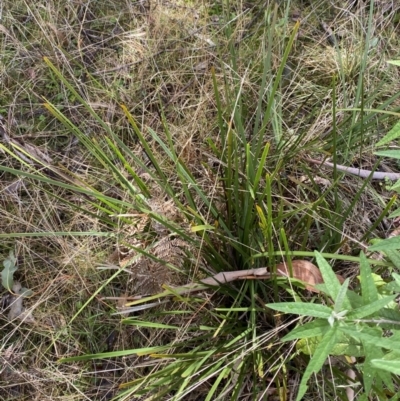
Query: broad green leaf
pixel 321 288
pixel 25 292
pixel 382 375
pixel 388 319
pixel 391 356
pixel 307 346
pixel 393 134
pixel 302 308
pixel 395 337
pixel 396 213
pixel 368 310
pixel 312 329
pixel 395 187
pixel 394 62
pixel 390 366
pixel 7 274
pixel 330 280
pixel 389 288
pixel 344 345
pixel 396 278
pixel 386 378
pixel 341 297
pixel 386 244
pixel 318 359
pixel 369 292
pixel 375 340
pixel 394 256
pixel 378 280
pixel 355 299
pixel 369 371
pixel 394 154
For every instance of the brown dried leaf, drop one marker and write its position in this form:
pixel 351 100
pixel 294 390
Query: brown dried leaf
pixel 305 271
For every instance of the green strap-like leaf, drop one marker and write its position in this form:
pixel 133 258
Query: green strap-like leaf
pixel 369 291
pixel 390 366
pixel 341 298
pixel 368 310
pixel 302 308
pixel 368 338
pixel 393 134
pixel 331 281
pixel 7 274
pixel 386 244
pixel 316 362
pixel 312 329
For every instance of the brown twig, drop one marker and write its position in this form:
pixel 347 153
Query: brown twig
pixel 373 175
pixel 301 270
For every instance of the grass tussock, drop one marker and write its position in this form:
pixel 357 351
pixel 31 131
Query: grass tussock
pixel 146 145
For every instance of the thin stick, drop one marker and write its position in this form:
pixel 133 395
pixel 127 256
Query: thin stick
pixel 376 175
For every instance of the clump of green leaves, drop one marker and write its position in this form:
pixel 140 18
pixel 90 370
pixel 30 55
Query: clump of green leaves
pixel 7 274
pixel 354 325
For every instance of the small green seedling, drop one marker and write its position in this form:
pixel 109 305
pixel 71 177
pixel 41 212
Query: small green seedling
pixel 7 276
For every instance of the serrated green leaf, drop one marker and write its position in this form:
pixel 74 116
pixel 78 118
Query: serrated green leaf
pixel 375 340
pixel 312 329
pixel 393 134
pixel 368 310
pixel 318 359
pixel 389 366
pixel 330 280
pixel 302 308
pixel 369 291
